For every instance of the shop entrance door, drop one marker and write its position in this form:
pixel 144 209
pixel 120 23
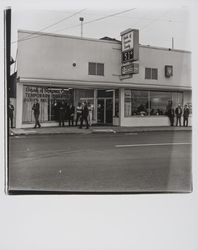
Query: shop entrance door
pixel 105 111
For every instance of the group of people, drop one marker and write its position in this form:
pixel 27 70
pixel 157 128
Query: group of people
pixel 83 112
pixel 178 113
pixel 63 111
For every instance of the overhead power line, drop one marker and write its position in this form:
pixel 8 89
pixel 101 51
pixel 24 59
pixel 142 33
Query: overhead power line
pixel 97 19
pixel 91 21
pixel 47 27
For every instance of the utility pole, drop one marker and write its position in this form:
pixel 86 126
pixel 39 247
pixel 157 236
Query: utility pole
pixel 172 42
pixel 81 20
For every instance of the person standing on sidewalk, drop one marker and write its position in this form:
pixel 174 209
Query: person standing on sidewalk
pixel 90 116
pixel 186 113
pixel 78 113
pixel 172 116
pixel 10 113
pixel 178 112
pixel 85 113
pixel 71 114
pixel 61 114
pixel 36 109
pixel 170 113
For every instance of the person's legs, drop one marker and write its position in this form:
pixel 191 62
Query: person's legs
pixel 35 118
pixel 60 119
pixel 187 122
pixel 172 121
pixel 69 120
pixel 81 122
pixel 72 121
pixel 63 119
pixel 11 121
pixel 87 123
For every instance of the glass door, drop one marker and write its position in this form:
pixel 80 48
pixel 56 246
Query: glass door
pixel 109 111
pixel 100 111
pixel 105 111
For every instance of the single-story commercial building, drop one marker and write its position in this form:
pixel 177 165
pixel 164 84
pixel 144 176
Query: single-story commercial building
pixel 53 67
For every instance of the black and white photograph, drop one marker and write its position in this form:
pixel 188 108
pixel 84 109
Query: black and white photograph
pixel 98 100
pixel 98 106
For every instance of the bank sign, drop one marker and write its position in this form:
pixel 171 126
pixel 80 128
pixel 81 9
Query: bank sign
pixel 130 51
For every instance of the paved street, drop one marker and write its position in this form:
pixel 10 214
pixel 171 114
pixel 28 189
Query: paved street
pixel 138 162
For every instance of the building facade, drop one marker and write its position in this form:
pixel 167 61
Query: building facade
pixel 53 67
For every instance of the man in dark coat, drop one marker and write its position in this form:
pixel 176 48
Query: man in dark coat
pixel 170 113
pixel 10 113
pixel 36 109
pixel 186 113
pixel 71 114
pixel 85 113
pixel 78 113
pixel 178 112
pixel 61 114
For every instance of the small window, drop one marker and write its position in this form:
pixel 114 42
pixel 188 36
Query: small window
pixel 147 73
pixel 151 73
pixel 154 74
pixel 96 69
pixel 100 69
pixel 92 68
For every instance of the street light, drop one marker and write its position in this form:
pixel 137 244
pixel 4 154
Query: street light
pixel 81 20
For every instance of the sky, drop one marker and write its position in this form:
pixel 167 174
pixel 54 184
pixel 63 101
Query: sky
pixel 157 25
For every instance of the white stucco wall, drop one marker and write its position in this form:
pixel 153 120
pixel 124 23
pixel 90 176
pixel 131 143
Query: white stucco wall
pixel 49 56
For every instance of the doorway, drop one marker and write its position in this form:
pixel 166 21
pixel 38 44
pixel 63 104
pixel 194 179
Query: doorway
pixel 105 111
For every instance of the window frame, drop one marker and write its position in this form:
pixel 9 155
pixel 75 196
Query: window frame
pixel 150 75
pixel 98 70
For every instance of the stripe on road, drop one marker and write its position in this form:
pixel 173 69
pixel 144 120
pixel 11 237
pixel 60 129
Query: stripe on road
pixel 155 144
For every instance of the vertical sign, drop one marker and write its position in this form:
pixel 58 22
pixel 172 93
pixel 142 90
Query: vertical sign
pixel 130 51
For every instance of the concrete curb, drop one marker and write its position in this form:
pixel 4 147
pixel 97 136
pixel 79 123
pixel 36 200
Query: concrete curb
pixel 15 132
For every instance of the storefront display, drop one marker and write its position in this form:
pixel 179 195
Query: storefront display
pixel 48 98
pixel 150 103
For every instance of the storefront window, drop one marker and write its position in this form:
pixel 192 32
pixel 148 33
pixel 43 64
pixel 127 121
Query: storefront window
pixel 48 98
pixel 143 103
pixel 158 102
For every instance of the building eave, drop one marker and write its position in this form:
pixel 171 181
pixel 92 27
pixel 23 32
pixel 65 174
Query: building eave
pixel 96 84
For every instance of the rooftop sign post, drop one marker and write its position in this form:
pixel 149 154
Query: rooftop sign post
pixel 130 52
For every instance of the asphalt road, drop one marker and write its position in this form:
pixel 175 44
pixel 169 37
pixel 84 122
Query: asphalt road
pixel 125 162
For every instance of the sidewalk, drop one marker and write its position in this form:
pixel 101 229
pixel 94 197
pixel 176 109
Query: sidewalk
pixel 92 130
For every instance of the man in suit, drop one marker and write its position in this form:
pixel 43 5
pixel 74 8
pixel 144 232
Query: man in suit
pixel 85 113
pixel 178 112
pixel 171 113
pixel 62 114
pixel 10 113
pixel 78 112
pixel 36 109
pixel 71 114
pixel 186 113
